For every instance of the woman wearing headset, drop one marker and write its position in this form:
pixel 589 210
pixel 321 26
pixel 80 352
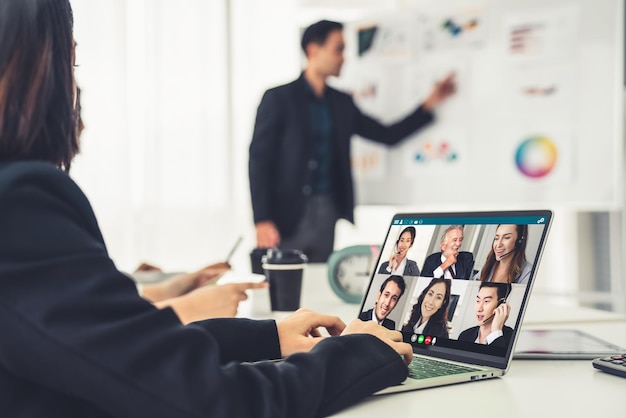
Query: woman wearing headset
pixel 398 263
pixel 506 262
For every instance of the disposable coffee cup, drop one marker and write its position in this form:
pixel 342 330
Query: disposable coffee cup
pixel 283 270
pixel 255 260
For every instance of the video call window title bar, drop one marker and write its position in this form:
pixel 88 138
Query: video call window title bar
pixel 519 220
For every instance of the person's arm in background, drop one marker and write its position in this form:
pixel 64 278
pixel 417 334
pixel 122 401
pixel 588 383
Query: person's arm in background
pixel 192 296
pixel 392 134
pixel 260 167
pixel 442 90
pixel 220 301
pixel 180 284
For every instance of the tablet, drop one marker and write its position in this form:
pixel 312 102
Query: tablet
pixel 567 344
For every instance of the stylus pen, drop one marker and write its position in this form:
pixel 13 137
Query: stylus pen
pixel 232 251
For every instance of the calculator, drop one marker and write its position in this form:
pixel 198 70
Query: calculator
pixel 612 364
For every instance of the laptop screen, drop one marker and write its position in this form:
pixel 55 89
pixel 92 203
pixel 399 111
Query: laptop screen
pixel 456 284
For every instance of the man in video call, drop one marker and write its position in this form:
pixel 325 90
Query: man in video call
pixel 450 263
pixel 387 298
pixel 492 311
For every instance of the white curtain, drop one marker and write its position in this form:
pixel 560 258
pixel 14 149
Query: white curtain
pixel 156 158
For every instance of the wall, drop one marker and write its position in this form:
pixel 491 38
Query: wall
pixel 164 159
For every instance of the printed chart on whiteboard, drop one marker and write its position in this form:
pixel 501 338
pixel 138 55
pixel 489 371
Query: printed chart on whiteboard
pixel 536 117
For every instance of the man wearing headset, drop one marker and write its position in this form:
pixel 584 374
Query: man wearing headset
pixel 492 311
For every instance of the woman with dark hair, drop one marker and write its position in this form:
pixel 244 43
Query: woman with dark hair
pixel 506 262
pixel 398 263
pixel 429 315
pixel 77 339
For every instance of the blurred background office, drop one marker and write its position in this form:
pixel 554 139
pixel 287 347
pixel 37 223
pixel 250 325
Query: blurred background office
pixel 169 96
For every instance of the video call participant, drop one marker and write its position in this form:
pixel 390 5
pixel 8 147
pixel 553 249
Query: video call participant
pixel 77 339
pixel 492 310
pixel 299 166
pixel 450 263
pixel 387 298
pixel 398 264
pixel 506 262
pixel 429 315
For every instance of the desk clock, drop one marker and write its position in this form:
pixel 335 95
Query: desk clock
pixel 350 269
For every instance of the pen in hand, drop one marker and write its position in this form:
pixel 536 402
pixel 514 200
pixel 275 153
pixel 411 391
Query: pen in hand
pixel 232 251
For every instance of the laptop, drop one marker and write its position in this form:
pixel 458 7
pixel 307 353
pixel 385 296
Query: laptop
pixel 461 320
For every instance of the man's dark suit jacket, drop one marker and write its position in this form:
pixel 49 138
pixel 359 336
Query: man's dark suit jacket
pixel 78 341
pixel 387 323
pixel 463 266
pixel 282 148
pixel 470 335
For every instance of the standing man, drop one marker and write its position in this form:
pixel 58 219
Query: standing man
pixel 450 263
pixel 299 167
pixel 387 298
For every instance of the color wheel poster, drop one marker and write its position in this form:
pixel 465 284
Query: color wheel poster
pixel 536 115
pixel 538 156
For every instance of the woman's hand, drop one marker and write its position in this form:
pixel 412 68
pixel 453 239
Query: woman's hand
pixel 392 338
pixel 210 301
pixel 300 332
pixel 186 283
pixel 183 283
pixel 392 260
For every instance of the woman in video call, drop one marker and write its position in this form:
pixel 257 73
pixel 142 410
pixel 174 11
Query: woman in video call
pixel 78 340
pixel 506 262
pixel 429 315
pixel 398 264
pixel 492 311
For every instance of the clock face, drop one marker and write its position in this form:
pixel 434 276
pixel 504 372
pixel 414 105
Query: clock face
pixel 353 273
pixel 349 271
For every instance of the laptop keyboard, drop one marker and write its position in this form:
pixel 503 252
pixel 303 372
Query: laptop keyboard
pixel 424 368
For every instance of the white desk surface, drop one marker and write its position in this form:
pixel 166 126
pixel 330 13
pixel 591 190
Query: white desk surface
pixel 531 388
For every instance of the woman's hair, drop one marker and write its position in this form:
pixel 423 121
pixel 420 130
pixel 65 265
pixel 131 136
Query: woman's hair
pixel 37 115
pixel 411 231
pixel 80 125
pixel 518 256
pixel 441 316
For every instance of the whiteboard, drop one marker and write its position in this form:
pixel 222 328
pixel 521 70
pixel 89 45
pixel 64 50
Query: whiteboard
pixel 537 116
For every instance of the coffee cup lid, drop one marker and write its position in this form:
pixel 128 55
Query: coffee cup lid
pixel 284 256
pixel 258 251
